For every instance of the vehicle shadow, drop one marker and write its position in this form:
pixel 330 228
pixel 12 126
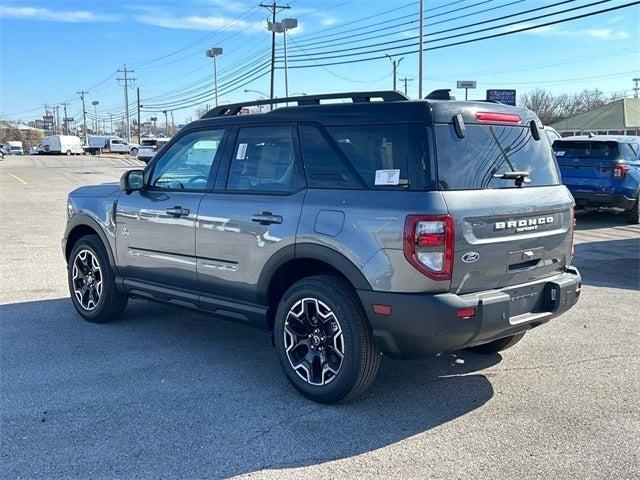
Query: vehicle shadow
pixel 590 220
pixel 609 263
pixel 164 393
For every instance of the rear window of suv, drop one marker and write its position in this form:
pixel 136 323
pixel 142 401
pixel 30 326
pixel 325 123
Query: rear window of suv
pixel 470 163
pixel 583 149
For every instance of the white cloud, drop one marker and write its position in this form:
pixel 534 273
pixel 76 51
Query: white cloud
pixel 329 21
pixel 202 22
pixel 46 14
pixel 229 5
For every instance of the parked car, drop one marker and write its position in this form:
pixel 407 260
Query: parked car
pixel 4 150
pixel 61 145
pixel 346 230
pixel 552 134
pixel 602 171
pixel 15 147
pixel 96 144
pixel 149 147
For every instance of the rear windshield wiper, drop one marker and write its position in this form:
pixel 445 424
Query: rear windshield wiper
pixel 519 177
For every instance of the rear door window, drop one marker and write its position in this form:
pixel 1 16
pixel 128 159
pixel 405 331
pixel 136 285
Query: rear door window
pixel 471 163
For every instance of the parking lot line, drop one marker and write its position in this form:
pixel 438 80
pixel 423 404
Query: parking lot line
pixel 17 178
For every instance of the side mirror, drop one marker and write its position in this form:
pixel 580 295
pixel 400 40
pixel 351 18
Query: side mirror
pixel 132 181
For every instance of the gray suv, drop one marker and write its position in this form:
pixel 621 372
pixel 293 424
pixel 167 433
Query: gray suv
pixel 345 230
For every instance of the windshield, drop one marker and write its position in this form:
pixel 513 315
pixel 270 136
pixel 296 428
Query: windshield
pixel 472 162
pixel 148 143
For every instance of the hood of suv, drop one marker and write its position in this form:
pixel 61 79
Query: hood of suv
pixel 102 190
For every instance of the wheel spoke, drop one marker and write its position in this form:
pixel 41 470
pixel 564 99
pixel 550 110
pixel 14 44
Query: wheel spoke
pixel 296 326
pixel 315 368
pixel 298 354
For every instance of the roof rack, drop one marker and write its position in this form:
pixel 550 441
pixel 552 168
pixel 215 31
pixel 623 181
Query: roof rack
pixel 356 97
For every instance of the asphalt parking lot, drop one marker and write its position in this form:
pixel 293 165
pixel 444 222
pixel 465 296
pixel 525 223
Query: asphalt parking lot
pixel 168 394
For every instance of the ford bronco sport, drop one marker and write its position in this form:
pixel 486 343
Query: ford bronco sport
pixel 347 230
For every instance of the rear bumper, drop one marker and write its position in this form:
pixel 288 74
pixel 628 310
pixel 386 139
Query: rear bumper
pixel 425 324
pixel 588 199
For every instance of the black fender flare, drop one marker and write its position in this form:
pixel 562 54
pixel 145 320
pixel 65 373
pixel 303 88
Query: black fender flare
pixel 312 251
pixel 82 219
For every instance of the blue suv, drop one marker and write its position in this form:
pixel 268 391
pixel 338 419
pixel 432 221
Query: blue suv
pixel 602 171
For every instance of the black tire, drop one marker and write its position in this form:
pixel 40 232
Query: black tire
pixel 633 215
pixel 111 302
pixel 134 152
pixel 68 153
pixel 497 345
pixel 360 360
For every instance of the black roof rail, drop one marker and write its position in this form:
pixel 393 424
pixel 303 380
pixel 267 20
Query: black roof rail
pixel 442 94
pixel 356 97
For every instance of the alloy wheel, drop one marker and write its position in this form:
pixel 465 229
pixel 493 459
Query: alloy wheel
pixel 87 279
pixel 313 341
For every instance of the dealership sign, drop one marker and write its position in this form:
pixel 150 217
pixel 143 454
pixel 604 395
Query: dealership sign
pixel 466 84
pixel 508 97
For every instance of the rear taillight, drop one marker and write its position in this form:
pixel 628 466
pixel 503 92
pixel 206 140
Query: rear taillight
pixel 572 248
pixel 428 244
pixel 493 117
pixel 620 170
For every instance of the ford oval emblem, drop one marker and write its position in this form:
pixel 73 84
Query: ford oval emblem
pixel 470 257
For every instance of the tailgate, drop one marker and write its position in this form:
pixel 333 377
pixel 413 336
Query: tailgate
pixel 509 236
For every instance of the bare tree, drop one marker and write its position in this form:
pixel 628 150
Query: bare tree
pixel 552 108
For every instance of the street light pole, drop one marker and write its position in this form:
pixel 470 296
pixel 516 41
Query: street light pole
pixel 95 113
pixel 286 24
pixel 213 53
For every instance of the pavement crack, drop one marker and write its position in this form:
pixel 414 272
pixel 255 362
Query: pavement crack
pixel 567 364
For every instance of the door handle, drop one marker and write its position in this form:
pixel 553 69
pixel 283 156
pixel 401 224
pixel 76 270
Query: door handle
pixel 266 218
pixel 177 212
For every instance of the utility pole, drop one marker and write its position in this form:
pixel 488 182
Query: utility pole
pixel 82 93
pixel 273 8
pixel 395 68
pixel 420 39
pixel 636 88
pixel 173 125
pixel 126 81
pixel 406 80
pixel 110 123
pixel 56 109
pixel 139 126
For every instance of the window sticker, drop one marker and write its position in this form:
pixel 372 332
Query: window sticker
pixel 388 177
pixel 242 151
pixel 559 153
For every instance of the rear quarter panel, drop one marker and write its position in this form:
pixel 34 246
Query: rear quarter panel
pixel 366 227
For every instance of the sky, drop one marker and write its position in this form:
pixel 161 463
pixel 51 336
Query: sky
pixel 51 50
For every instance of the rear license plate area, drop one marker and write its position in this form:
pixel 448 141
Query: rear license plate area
pixel 529 299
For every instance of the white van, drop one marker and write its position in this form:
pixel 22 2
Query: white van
pixel 62 145
pixel 15 147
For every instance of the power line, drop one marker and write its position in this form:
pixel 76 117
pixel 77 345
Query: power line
pixel 510 32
